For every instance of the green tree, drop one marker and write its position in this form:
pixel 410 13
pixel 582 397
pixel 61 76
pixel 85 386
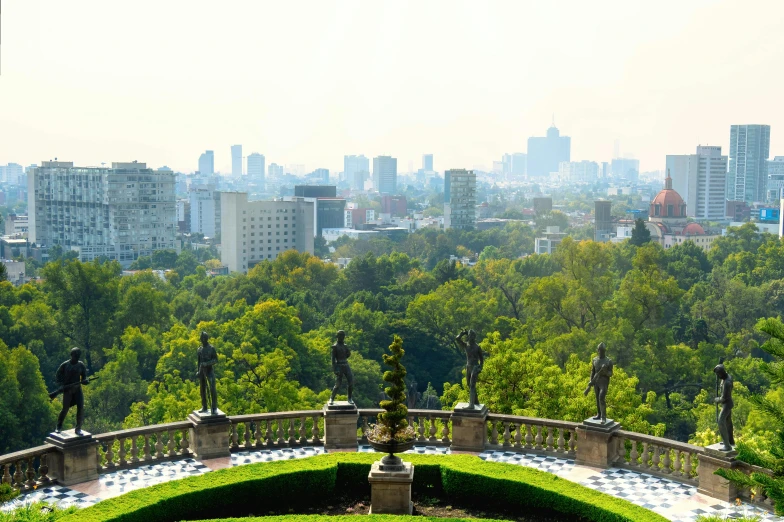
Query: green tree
pixel 640 233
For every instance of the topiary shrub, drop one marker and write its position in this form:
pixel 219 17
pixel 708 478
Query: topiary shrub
pixel 393 423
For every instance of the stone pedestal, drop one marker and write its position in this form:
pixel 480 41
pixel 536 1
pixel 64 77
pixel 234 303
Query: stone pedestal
pixel 713 485
pixel 75 458
pixel 469 427
pixel 209 435
pixel 390 491
pixel 596 445
pixel 340 426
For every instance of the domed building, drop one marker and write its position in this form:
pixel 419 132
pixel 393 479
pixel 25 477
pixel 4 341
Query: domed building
pixel 668 223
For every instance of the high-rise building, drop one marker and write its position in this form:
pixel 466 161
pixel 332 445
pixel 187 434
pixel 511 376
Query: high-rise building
pixel 460 199
pixel 255 231
pixel 315 191
pixel 12 173
pixel 205 210
pixel 256 167
pixel 320 175
pixel 207 163
pixel 119 213
pixel 579 170
pixel 394 205
pixel 356 169
pixel 701 180
pixel 775 178
pixel 602 220
pixel 427 162
pixel 748 174
pixel 626 168
pixel 546 153
pixel 275 170
pixel 236 160
pixel 519 164
pixel 385 174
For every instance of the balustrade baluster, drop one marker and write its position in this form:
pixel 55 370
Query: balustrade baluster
pixel 538 439
pixel 528 438
pixel 633 454
pixel 159 445
pixel 645 456
pixel 507 435
pixel 43 469
pixel 303 430
pixel 666 461
pixel 6 474
pixel 433 430
pixel 110 453
pixel 268 436
pixel 147 455
pixel 687 465
pixel 172 445
pixel 281 433
pixel 18 476
pixel 257 441
pixel 571 441
pixel 560 448
pixel 655 460
pixel 121 453
pixel 364 428
pixel 676 463
pixel 518 437
pixel 30 472
pixel 421 429
pixel 234 439
pixel 184 442
pixel 316 434
pixel 248 435
pixel 134 450
pixel 494 435
pixel 445 432
pixel 292 432
pixel 549 439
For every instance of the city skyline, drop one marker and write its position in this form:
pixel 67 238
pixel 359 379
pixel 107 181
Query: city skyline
pixel 637 93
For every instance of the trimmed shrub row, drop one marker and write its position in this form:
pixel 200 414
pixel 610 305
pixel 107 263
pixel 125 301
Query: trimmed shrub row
pixel 259 488
pixel 349 518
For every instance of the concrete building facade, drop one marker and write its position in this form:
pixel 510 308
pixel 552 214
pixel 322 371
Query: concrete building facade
pixel 748 173
pixel 236 160
pixel 205 210
pixel 119 213
pixel 775 178
pixel 546 153
pixel 701 181
pixel 207 163
pixel 460 199
pixel 385 174
pixel 255 231
pixel 578 170
pixel 356 169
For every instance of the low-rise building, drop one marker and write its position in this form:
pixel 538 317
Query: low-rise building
pixel 549 241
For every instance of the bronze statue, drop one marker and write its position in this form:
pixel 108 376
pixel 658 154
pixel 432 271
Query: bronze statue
pixel 474 361
pixel 70 376
pixel 205 372
pixel 725 400
pixel 601 371
pixel 340 367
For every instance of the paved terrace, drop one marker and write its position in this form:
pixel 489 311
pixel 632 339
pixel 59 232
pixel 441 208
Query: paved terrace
pixel 641 478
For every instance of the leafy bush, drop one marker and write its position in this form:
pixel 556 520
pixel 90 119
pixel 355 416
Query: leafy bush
pixel 260 487
pixel 37 512
pixel 7 492
pixel 348 518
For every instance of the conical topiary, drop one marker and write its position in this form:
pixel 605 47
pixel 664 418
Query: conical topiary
pixel 394 418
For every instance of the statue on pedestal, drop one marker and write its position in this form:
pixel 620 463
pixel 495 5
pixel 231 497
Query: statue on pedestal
pixel 601 371
pixel 341 369
pixel 70 376
pixel 205 372
pixel 724 399
pixel 474 361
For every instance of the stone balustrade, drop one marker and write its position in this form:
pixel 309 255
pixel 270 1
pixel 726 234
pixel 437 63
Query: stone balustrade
pixel 460 431
pixel 141 446
pixel 276 430
pixel 544 436
pixel 26 469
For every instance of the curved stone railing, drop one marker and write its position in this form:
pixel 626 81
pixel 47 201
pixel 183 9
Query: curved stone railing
pixel 26 469
pixel 206 437
pixel 546 436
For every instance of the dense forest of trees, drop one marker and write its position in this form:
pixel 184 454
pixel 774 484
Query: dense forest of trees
pixel 666 316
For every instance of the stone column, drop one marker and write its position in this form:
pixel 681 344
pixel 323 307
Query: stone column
pixel 340 426
pixel 390 488
pixel 209 434
pixel 469 427
pixel 75 458
pixel 596 444
pixel 713 485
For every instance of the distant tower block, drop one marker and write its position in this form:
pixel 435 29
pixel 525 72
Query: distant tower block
pixel 603 220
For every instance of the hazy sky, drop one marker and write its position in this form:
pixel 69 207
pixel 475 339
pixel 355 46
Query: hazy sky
pixel 309 81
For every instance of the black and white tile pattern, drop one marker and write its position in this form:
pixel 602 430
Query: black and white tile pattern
pixel 654 493
pixel 554 465
pixel 58 495
pixel 254 456
pixel 126 480
pixel 421 450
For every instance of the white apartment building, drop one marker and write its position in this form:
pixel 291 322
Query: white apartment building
pixel 459 199
pixel 254 231
pixel 119 213
pixel 16 225
pixel 205 210
pixel 701 180
pixel 578 170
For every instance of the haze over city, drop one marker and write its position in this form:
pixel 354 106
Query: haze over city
pixel 307 82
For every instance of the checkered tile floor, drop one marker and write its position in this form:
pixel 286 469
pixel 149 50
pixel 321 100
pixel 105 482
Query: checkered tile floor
pixel 657 494
pixel 549 464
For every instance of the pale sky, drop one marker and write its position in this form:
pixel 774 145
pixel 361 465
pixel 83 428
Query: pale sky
pixel 305 82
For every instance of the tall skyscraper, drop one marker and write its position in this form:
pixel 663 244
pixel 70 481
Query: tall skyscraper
pixel 356 169
pixel 519 161
pixel 274 170
pixel 427 162
pixel 205 210
pixel 385 174
pixel 459 199
pixel 207 163
pixel 236 160
pixel 701 180
pixel 749 151
pixel 602 220
pixel 546 153
pixel 256 167
pixel 119 213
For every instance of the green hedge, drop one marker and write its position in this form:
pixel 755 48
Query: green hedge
pixel 259 488
pixel 349 518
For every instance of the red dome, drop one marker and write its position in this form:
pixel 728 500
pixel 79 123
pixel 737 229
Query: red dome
pixel 693 229
pixel 668 203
